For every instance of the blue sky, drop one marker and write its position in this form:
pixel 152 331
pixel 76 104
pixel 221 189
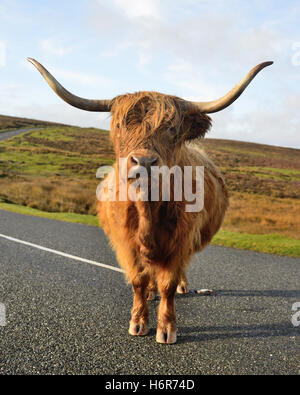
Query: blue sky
pixel 196 49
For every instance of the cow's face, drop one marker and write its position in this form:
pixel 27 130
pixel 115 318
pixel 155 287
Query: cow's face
pixel 148 128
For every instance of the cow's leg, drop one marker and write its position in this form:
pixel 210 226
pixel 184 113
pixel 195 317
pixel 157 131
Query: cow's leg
pixel 139 313
pixel 166 324
pixel 182 287
pixel 152 288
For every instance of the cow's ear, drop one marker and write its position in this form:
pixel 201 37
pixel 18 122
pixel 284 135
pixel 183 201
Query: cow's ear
pixel 195 125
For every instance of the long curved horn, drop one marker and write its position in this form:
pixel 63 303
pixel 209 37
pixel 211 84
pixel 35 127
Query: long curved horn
pixel 230 97
pixel 79 102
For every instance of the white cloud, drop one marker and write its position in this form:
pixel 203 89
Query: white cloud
pixel 204 40
pixel 75 77
pixel 81 78
pixel 138 8
pixel 278 125
pixel 51 47
pixel 112 52
pixel 9 93
pixel 191 82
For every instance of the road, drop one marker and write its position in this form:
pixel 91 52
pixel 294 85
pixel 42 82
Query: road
pixel 13 133
pixel 66 316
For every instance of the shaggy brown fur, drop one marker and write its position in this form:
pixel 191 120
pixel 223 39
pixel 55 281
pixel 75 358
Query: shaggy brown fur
pixel 155 241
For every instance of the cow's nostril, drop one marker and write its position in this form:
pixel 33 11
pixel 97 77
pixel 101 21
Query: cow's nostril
pixel 144 161
pixel 134 160
pixel 154 161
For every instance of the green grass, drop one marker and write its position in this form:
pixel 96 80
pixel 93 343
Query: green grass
pixel 53 134
pixel 242 150
pixel 45 164
pixel 267 243
pixel 288 172
pixel 67 217
pixel 266 172
pixel 48 152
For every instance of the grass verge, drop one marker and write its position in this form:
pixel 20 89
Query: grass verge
pixel 67 217
pixel 270 243
pixel 267 243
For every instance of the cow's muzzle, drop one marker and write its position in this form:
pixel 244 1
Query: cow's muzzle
pixel 143 161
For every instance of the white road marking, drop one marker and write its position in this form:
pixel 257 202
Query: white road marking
pixel 75 258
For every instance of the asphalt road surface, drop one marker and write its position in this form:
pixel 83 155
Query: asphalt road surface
pixel 13 133
pixel 70 316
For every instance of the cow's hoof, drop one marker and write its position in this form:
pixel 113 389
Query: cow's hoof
pixel 166 335
pixel 140 329
pixel 206 292
pixel 182 288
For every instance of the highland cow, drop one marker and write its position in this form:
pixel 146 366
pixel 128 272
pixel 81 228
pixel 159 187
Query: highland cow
pixel 155 240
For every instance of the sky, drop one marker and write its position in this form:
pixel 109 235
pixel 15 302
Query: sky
pixel 195 49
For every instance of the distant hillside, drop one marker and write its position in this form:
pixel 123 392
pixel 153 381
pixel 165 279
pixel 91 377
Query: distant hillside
pixel 54 170
pixel 256 168
pixel 11 123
